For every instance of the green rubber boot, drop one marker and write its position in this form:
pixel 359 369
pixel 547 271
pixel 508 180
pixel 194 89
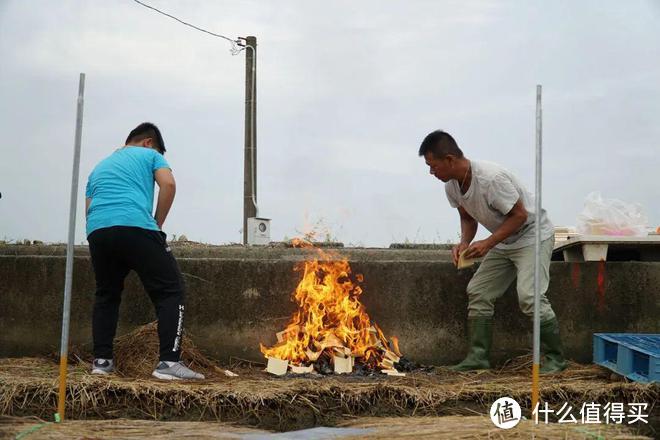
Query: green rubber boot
pixel 480 335
pixel 552 348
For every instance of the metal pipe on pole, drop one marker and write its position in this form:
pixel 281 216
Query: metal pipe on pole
pixel 250 153
pixel 64 344
pixel 537 253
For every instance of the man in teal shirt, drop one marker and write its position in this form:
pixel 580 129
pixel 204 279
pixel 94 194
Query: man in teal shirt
pixel 123 235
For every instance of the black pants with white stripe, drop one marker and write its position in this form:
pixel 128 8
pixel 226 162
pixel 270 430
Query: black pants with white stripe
pixel 117 250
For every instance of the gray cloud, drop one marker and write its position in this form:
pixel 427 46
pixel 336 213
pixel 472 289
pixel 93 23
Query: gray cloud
pixel 347 90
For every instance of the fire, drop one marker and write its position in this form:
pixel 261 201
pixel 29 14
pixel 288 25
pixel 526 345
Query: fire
pixel 331 320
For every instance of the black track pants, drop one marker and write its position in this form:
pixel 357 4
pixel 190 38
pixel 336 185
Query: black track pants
pixel 117 250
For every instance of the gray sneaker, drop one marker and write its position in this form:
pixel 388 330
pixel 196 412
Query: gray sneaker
pixel 175 371
pixel 103 366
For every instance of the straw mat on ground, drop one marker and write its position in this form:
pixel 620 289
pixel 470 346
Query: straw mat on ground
pixel 28 386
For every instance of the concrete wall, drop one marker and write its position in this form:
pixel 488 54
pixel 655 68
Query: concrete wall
pixel 238 297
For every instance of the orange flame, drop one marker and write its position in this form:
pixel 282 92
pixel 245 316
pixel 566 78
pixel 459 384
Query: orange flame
pixel 330 317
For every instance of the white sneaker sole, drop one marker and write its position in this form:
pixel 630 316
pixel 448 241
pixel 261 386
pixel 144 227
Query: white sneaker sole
pixel 162 376
pixel 102 372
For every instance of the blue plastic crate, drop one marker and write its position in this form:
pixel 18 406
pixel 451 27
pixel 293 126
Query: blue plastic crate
pixel 635 356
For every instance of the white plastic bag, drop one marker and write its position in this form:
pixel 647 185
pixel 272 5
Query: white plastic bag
pixel 611 217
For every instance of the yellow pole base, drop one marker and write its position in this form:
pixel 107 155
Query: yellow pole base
pixel 61 402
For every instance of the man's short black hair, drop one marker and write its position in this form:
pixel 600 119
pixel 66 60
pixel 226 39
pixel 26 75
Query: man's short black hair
pixel 440 144
pixel 147 130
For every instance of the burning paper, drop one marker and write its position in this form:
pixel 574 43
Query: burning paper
pixel 276 366
pixel 331 326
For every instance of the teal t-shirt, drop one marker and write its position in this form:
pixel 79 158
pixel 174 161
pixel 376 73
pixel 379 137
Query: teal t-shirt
pixel 121 187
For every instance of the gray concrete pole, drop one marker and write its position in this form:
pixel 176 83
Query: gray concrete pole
pixel 250 154
pixel 68 278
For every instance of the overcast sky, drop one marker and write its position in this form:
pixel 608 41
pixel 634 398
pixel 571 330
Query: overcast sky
pixel 346 92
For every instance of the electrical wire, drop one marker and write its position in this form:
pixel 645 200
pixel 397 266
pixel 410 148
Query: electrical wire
pixel 236 46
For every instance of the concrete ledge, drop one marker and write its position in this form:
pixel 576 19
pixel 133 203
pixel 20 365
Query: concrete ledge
pixel 241 297
pixel 275 252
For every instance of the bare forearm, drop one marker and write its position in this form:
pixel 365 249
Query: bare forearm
pixel 510 226
pixel 468 230
pixel 165 200
pixel 514 220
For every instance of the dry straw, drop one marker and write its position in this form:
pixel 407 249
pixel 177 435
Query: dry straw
pixel 28 386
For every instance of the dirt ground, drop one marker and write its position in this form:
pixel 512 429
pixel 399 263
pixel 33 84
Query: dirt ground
pixel 450 427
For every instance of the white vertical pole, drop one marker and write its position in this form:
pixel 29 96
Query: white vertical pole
pixel 537 253
pixel 64 344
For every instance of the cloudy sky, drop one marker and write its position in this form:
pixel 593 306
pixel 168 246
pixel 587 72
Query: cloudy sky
pixel 346 92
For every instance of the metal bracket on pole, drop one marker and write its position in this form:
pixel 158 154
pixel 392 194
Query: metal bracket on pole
pixel 64 344
pixel 537 252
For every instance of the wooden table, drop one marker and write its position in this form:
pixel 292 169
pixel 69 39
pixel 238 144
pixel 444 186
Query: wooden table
pixel 604 247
